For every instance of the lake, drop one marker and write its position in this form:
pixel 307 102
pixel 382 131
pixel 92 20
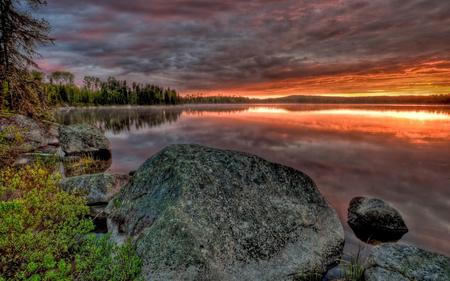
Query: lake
pixel 398 153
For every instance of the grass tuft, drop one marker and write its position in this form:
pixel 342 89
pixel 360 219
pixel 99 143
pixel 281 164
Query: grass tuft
pixel 354 268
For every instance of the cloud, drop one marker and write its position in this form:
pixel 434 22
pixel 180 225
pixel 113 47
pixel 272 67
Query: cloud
pixel 225 46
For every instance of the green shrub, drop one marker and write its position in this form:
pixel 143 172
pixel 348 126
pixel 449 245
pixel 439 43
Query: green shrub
pixel 40 225
pixel 10 141
pixel 44 233
pixel 100 259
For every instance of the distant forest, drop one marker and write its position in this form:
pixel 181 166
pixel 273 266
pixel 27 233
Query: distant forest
pixel 433 99
pixel 60 89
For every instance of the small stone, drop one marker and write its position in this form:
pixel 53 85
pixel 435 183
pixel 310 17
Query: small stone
pixel 374 220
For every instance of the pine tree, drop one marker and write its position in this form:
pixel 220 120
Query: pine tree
pixel 21 33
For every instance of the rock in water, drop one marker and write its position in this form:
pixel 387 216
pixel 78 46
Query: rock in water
pixel 373 219
pixel 406 263
pixel 83 139
pixel 198 213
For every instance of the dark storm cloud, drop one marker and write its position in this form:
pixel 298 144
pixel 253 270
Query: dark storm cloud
pixel 201 45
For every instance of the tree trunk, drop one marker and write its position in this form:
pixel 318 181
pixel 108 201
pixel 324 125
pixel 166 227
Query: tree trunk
pixel 5 28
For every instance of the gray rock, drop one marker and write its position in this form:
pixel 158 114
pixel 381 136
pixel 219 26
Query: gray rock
pixel 198 213
pixel 96 188
pixel 406 263
pixel 35 134
pixel 373 219
pixel 81 139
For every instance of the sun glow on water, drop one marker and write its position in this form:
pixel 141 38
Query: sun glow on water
pixel 413 115
pixel 419 115
pixel 267 109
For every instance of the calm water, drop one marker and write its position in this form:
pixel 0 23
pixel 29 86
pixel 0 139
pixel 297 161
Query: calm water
pixel 398 153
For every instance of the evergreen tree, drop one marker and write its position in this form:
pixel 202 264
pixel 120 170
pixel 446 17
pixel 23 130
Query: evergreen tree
pixel 21 33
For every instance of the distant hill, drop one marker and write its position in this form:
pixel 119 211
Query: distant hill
pixel 434 99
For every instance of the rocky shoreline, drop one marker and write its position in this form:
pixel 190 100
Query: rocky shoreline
pixel 198 213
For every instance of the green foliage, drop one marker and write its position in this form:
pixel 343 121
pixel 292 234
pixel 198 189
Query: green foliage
pixel 44 233
pixel 40 225
pixel 216 99
pixel 61 90
pixel 354 268
pixel 99 259
pixel 10 140
pixel 21 34
pixel 84 165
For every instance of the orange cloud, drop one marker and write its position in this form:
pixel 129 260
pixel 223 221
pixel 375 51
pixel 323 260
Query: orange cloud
pixel 427 78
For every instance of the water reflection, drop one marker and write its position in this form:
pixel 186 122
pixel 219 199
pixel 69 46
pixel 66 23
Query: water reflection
pixel 398 153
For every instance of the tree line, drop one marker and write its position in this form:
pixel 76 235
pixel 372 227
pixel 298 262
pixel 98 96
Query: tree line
pixel 60 89
pixel 215 99
pixel 299 99
pixel 30 92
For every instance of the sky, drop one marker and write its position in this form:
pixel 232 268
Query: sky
pixel 256 48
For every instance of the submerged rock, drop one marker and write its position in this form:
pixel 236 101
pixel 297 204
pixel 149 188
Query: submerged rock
pixel 406 263
pixel 83 139
pixel 198 213
pixel 373 219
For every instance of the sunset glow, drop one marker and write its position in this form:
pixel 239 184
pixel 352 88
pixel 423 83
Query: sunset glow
pixel 257 48
pixel 413 115
pixel 418 115
pixel 412 125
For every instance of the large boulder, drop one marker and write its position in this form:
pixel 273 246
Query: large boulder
pixel 198 213
pixel 406 263
pixel 83 139
pixel 373 219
